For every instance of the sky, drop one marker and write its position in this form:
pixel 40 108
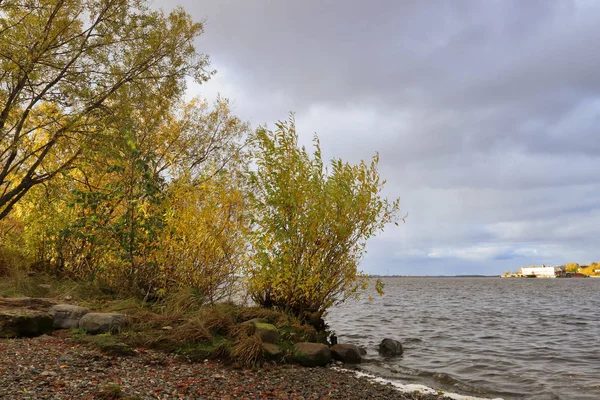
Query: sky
pixel 486 115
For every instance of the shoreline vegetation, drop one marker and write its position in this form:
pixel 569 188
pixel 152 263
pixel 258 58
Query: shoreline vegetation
pixel 570 270
pixel 186 349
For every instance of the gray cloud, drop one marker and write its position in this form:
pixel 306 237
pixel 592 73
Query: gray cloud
pixel 485 114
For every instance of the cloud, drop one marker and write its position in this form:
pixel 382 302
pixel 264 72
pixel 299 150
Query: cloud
pixel 485 115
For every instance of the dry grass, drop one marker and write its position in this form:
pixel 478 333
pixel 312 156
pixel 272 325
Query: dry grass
pixel 192 331
pixel 221 351
pixel 21 284
pixel 111 391
pixel 272 316
pixel 180 322
pixel 11 262
pixel 107 343
pixel 217 319
pixel 242 331
pixel 248 352
pixel 181 301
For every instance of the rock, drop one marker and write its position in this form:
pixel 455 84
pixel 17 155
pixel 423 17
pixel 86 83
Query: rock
pixel 24 317
pixel 312 354
pixel 67 316
pixel 272 351
pixel 26 302
pixel 362 351
pixel 347 353
pixel 390 348
pixel 102 322
pixel 267 332
pixel 66 358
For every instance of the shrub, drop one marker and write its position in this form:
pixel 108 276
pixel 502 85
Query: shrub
pixel 311 224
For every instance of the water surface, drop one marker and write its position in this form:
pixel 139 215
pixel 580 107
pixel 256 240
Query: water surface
pixel 510 338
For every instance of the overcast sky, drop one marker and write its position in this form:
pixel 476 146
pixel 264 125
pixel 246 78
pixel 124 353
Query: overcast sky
pixel 486 115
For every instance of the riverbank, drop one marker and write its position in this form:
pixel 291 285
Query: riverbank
pixel 57 367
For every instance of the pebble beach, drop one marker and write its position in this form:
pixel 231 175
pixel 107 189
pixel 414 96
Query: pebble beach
pixel 56 367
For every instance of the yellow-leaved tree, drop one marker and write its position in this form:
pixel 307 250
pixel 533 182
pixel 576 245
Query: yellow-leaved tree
pixel 310 224
pixel 572 267
pixel 66 68
pixel 154 204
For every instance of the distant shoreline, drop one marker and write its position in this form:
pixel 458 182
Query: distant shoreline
pixel 434 276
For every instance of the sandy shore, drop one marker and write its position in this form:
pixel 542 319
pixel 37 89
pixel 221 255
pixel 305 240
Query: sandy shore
pixel 55 367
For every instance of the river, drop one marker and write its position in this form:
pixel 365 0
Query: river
pixel 489 337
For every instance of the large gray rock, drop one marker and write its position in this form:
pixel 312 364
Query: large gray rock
pixel 95 323
pixel 390 348
pixel 311 354
pixel 267 332
pixel 347 353
pixel 24 317
pixel 67 316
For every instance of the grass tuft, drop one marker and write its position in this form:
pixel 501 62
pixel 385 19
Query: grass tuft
pixel 107 343
pixel 242 331
pixel 249 352
pixel 193 331
pixel 182 301
pixel 112 391
pixel 248 313
pixel 217 319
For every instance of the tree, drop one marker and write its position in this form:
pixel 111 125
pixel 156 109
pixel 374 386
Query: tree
pixel 155 203
pixel 310 224
pixel 572 267
pixel 67 65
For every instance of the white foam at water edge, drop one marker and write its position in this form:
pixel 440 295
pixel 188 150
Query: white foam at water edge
pixel 409 388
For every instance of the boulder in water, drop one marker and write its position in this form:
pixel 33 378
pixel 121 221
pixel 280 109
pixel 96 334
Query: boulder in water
pixel 347 353
pixel 390 348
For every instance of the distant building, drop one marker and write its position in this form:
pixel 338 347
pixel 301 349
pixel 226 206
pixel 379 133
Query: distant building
pixel 542 272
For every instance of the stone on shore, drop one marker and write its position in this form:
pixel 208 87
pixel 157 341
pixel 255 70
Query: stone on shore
pixel 390 348
pixel 24 317
pixel 272 351
pixel 312 354
pixel 95 323
pixel 346 353
pixel 267 332
pixel 67 316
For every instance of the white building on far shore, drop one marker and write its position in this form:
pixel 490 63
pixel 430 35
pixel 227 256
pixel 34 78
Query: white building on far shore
pixel 542 272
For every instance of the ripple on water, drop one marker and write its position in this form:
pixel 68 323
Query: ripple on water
pixel 512 338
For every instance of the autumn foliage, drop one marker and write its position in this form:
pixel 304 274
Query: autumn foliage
pixel 310 223
pixel 108 176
